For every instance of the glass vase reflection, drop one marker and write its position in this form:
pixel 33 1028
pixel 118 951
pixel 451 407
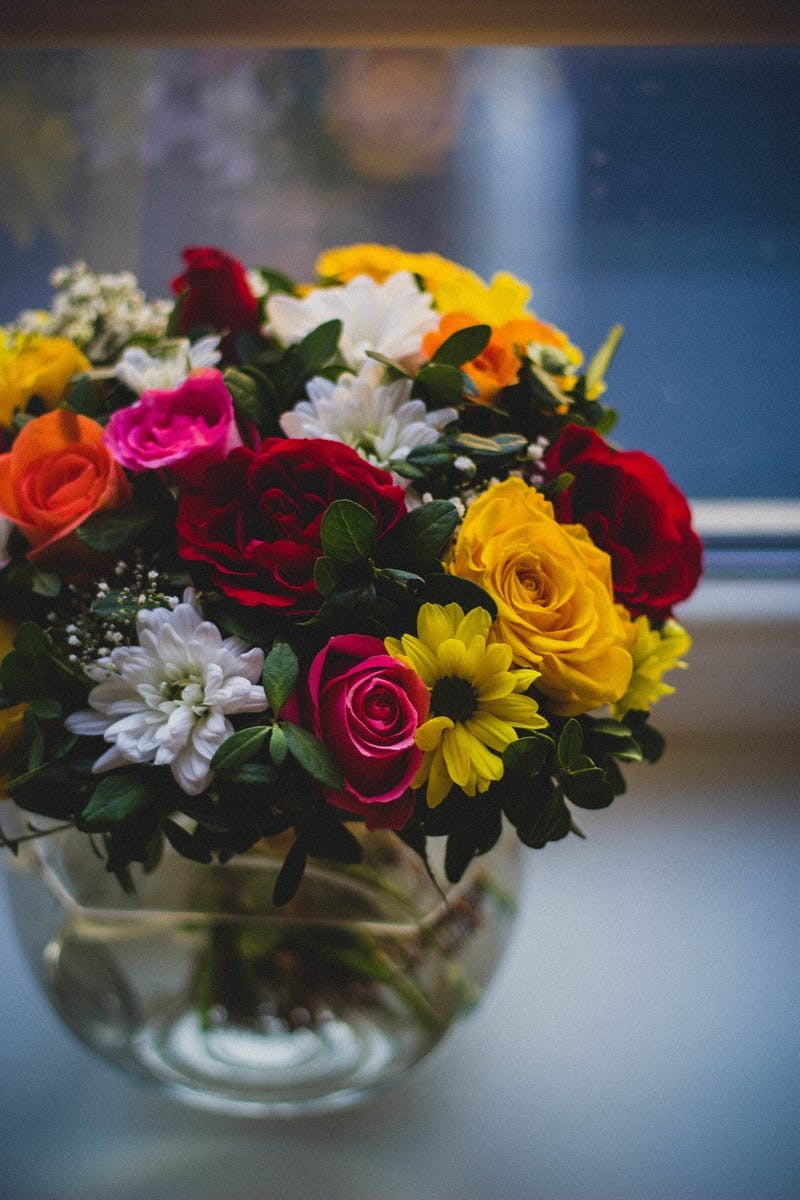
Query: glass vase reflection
pixel 198 983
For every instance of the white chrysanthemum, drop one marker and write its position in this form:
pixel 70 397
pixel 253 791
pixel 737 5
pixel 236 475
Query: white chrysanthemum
pixel 169 367
pixel 377 419
pixel 167 700
pixel 390 318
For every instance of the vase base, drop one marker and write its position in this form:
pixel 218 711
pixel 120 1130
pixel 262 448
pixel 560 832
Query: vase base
pixel 274 1070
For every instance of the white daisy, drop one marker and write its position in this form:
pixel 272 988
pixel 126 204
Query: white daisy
pixel 377 419
pixel 169 367
pixel 167 700
pixel 390 318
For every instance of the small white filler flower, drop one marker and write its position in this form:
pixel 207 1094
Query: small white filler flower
pixel 390 317
pixel 375 418
pixel 167 700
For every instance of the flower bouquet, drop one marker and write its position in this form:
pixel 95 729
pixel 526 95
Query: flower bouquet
pixel 312 563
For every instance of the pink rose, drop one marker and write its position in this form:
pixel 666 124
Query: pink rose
pixel 184 430
pixel 365 707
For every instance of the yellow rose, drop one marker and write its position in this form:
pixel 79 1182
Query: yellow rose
pixel 33 365
pixel 554 596
pixel 654 651
pixel 343 263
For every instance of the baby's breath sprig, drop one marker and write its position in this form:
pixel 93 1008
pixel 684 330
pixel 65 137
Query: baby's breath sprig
pixel 102 620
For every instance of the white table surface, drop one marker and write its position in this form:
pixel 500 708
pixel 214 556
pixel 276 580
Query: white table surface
pixel 640 1041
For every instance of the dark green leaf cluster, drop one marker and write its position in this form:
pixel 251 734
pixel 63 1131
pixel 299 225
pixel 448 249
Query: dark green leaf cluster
pixel 546 774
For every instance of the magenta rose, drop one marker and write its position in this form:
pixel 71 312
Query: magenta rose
pixel 256 523
pixel 184 430
pixel 634 512
pixel 366 707
pixel 216 295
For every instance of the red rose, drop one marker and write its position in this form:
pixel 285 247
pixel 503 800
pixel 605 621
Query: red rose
pixel 256 521
pixel 635 513
pixel 366 707
pixel 218 295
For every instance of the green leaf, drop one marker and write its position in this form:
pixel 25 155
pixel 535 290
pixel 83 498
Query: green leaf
pixel 442 588
pixel 394 370
pixel 82 398
pixel 420 536
pixel 239 748
pixel 254 774
pixel 31 641
pixel 290 875
pixel 276 281
pixel 279 675
pixel 463 346
pixel 570 744
pixel 601 360
pixel 111 531
pixel 538 812
pixel 312 756
pixel 326 575
pixel 115 799
pixel 318 347
pixel 554 487
pixel 502 444
pixel 441 384
pixel 348 532
pixel 191 845
pixel 588 788
pixel 46 708
pixel 278 746
pixel 528 755
pixel 43 583
pixel 245 393
pixel 329 838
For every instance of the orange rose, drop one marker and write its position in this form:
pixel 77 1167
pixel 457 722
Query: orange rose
pixel 57 473
pixel 496 367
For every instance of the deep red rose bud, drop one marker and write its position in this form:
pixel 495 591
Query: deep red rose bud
pixel 217 295
pixel 634 512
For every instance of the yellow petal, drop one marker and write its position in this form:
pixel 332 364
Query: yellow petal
pixel 413 653
pixel 456 745
pixel 434 625
pixel 477 622
pixel 452 656
pixel 520 711
pixel 429 734
pixel 439 782
pixel 491 730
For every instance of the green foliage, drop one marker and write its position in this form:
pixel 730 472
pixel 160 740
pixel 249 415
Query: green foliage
pixel 418 539
pixel 348 532
pixel 463 346
pixel 119 796
pixel 112 531
pixel 239 748
pixel 601 359
pixel 279 675
pixel 314 757
pixel 441 385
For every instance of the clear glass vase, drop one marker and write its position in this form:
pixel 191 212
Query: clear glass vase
pixel 198 983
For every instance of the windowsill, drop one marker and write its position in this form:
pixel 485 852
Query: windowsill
pixel 744 662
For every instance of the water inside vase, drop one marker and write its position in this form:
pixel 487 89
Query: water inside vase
pixel 239 1007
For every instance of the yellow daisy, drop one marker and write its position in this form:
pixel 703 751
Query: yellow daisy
pixel 654 652
pixel 476 705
